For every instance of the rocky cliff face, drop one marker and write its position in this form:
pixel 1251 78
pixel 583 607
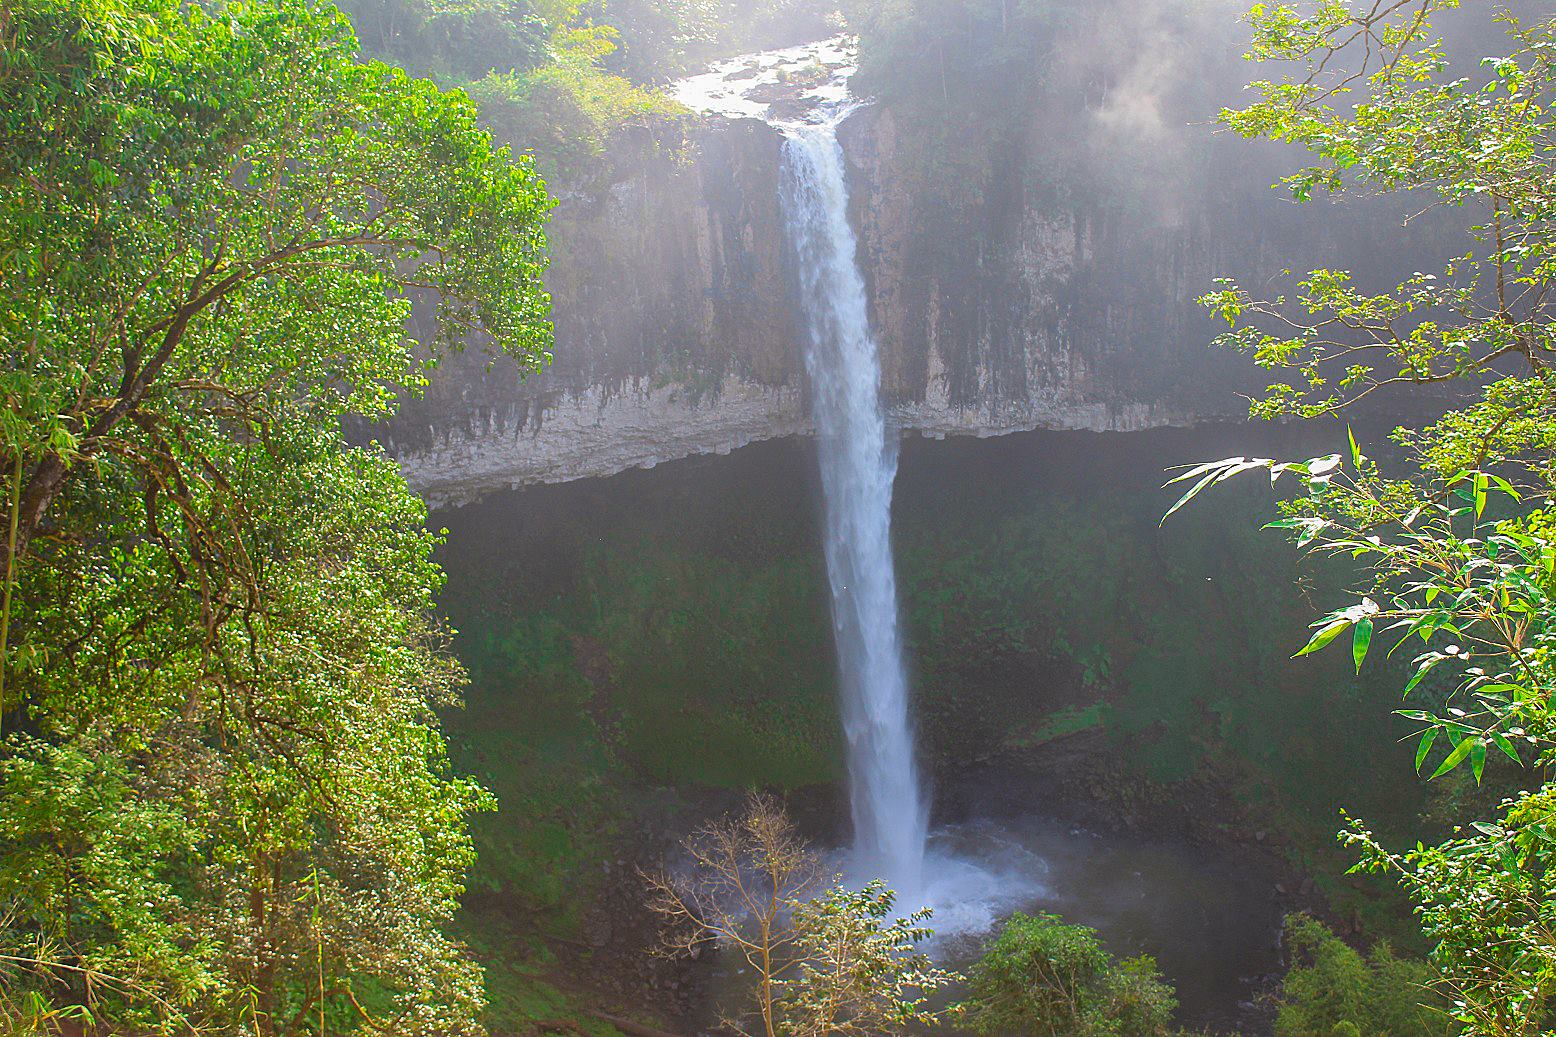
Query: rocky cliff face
pixel 1019 306
pixel 1006 311
pixel 674 333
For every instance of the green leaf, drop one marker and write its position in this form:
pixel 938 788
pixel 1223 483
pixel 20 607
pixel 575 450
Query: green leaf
pixel 1456 757
pixel 1197 470
pixel 1323 637
pixel 1506 487
pixel 1425 747
pixel 1320 466
pixel 1506 746
pixel 1361 640
pixel 1356 454
pixel 1193 491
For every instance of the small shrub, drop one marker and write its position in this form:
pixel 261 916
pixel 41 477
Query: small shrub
pixel 565 112
pixel 1333 990
pixel 1045 978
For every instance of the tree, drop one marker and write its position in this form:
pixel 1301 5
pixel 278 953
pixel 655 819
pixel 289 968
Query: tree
pixel 1332 988
pixel 1479 144
pixel 463 39
pixel 745 873
pixel 658 37
pixel 222 784
pixel 859 971
pixel 826 960
pixel 1040 976
pixel 165 171
pixel 1458 545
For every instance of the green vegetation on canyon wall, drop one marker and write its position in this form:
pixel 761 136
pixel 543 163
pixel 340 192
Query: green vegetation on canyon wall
pixel 675 637
pixel 561 78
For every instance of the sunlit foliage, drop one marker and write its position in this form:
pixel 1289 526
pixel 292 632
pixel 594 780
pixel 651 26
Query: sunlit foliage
pixel 1332 990
pixel 1460 549
pixel 224 798
pixel 559 79
pixel 1044 977
pixel 824 960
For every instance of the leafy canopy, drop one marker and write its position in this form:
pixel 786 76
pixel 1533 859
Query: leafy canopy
pixel 226 800
pixel 1333 989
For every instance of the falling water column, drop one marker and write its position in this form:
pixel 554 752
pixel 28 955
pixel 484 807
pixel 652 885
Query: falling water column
pixel 858 464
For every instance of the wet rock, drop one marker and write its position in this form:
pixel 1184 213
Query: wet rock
pixel 791 110
pixel 769 93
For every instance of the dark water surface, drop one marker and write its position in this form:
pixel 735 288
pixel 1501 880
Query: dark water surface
pixel 1212 926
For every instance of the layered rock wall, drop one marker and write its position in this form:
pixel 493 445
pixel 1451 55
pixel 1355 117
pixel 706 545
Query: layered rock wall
pixel 1021 306
pixel 674 332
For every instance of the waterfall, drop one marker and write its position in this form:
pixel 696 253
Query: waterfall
pixel 858 463
pixel 803 92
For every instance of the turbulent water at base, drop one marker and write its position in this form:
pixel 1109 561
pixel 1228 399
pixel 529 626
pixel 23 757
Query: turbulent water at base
pixel 858 465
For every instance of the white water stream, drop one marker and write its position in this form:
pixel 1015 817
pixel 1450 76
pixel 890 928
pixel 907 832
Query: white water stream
pixel 858 464
pixel 804 93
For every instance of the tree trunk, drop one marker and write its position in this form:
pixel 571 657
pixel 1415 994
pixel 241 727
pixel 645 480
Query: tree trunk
pixel 42 486
pixel 264 951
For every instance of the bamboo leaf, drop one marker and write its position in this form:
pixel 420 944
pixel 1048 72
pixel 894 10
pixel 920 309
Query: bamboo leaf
pixel 1361 640
pixel 1456 757
pixel 1204 481
pixel 1506 746
pixel 1323 637
pixel 1425 747
pixel 1200 469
